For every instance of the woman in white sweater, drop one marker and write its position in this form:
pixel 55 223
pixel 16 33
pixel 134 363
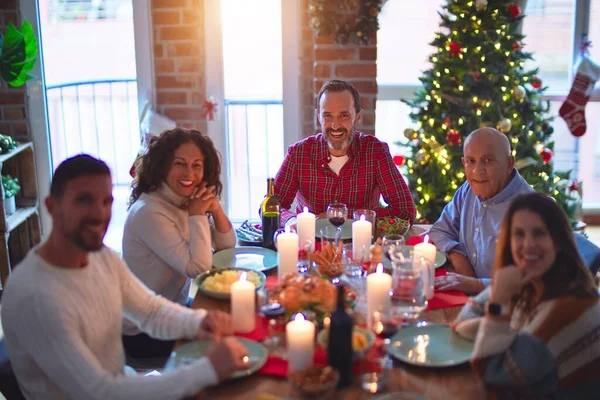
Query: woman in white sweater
pixel 174 222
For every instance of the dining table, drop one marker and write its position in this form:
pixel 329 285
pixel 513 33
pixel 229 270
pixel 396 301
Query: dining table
pixel 456 382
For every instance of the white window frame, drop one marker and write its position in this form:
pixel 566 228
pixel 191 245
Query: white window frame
pixel 37 104
pixel 215 86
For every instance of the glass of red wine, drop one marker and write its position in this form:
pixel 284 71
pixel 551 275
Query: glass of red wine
pixel 337 213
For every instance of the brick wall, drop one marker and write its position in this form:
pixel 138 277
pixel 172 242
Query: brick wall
pixel 357 64
pixel 13 101
pixel 178 29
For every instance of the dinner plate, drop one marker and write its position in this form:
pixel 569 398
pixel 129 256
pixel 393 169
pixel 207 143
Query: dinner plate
pixel 346 228
pixel 440 258
pixel 246 257
pixel 192 351
pixel 225 295
pixel 432 345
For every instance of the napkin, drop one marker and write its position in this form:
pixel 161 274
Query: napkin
pixel 277 366
pixel 260 331
pixel 446 299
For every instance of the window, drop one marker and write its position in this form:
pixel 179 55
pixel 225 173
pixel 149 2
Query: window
pixel 553 29
pixel 246 63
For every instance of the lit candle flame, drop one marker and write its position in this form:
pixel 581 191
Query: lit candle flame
pixel 305 209
pixel 243 276
pixel 426 240
pixel 362 217
pixel 379 268
pixel 299 317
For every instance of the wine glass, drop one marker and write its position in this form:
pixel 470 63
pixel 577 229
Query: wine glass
pixel 408 289
pixel 384 328
pixel 272 310
pixel 337 213
pixel 391 241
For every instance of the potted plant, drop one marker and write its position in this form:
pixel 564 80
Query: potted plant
pixel 11 188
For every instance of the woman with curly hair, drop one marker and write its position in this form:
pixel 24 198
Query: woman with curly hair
pixel 540 336
pixel 174 222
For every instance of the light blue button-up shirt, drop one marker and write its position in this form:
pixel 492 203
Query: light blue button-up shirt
pixel 470 225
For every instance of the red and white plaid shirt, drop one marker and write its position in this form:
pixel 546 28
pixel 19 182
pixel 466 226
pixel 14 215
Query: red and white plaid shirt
pixel 368 173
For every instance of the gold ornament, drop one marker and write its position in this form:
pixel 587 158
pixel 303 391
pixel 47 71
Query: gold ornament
pixel 422 157
pixel 411 134
pixel 520 93
pixel 359 33
pixel 481 4
pixel 504 125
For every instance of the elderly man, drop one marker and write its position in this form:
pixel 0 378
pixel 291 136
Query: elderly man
pixel 467 229
pixel 63 306
pixel 341 164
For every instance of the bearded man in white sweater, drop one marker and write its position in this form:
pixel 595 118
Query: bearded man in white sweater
pixel 63 305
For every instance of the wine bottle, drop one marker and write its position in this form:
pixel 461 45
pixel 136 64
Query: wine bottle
pixel 339 348
pixel 270 215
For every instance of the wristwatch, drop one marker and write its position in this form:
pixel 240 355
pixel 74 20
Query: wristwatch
pixel 497 309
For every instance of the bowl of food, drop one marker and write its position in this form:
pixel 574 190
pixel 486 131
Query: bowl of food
pixel 362 341
pixel 216 283
pixel 315 383
pixel 329 261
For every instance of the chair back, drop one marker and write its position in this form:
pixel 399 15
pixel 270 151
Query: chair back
pixel 590 253
pixel 9 387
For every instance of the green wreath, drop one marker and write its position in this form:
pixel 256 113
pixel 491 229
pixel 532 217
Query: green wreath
pixel 348 20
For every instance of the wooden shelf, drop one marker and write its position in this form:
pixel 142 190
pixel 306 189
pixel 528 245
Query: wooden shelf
pixel 19 216
pixel 15 151
pixel 21 230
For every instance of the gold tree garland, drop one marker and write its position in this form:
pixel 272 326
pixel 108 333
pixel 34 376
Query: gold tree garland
pixel 350 21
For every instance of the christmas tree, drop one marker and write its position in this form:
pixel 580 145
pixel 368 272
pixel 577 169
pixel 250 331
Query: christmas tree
pixel 478 79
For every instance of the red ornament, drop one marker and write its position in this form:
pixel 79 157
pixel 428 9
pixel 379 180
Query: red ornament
pixel 209 109
pixel 453 137
pixel 455 48
pixel 448 121
pixel 536 82
pixel 513 10
pixel 546 155
pixel 574 186
pixel 398 160
pixel 475 74
pixel 392 221
pixel 516 46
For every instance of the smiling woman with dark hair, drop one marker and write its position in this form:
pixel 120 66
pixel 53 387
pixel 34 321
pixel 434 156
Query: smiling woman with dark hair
pixel 541 332
pixel 174 222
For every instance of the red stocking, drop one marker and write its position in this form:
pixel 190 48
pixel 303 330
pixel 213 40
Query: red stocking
pixel 573 109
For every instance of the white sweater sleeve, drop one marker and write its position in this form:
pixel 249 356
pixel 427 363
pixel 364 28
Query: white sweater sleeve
pixel 160 233
pixel 155 315
pixel 225 240
pixel 51 335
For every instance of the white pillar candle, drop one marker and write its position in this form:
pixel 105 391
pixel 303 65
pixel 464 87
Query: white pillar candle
pixel 287 252
pixel 300 336
pixel 306 227
pixel 361 239
pixel 243 304
pixel 428 252
pixel 379 285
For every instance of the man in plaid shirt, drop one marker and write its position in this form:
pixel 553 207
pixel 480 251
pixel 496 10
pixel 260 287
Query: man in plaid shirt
pixel 341 164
